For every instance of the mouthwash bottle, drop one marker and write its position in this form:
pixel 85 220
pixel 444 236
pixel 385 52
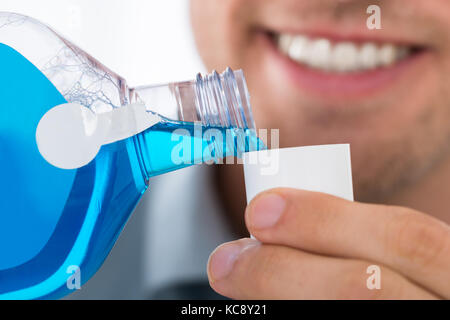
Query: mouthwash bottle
pixel 60 222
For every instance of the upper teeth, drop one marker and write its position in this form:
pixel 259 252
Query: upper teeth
pixel 341 56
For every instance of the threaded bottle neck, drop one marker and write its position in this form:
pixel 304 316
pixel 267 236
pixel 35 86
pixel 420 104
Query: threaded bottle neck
pixel 210 103
pixel 219 100
pixel 222 100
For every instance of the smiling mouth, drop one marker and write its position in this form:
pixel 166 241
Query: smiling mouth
pixel 341 56
pixel 343 67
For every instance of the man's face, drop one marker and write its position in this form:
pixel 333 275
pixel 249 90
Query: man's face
pixel 329 79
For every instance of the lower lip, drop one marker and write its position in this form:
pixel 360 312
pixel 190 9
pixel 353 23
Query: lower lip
pixel 343 85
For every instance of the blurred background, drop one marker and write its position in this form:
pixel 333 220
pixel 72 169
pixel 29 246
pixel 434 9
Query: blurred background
pixel 146 42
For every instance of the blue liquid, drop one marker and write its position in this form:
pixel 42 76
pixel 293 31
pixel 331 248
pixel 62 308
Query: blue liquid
pixel 51 219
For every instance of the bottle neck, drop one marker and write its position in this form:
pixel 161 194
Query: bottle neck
pixel 213 113
pixel 223 100
pixel 214 100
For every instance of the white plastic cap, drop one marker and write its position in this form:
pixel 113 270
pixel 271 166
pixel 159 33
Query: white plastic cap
pixel 325 168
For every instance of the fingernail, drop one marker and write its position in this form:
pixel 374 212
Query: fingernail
pixel 222 259
pixel 266 210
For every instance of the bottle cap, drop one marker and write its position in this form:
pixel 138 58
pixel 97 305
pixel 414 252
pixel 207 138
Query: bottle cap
pixel 324 168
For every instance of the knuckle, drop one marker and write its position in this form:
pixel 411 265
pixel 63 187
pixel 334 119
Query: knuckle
pixel 417 239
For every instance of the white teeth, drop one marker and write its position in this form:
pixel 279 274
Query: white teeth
pixel 284 42
pixel 339 57
pixel 320 52
pixel 387 55
pixel 299 49
pixel 368 56
pixel 345 57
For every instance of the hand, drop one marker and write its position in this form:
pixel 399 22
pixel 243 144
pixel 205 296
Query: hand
pixel 316 246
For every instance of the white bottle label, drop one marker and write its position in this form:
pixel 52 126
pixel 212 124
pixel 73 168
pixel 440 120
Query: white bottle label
pixel 70 135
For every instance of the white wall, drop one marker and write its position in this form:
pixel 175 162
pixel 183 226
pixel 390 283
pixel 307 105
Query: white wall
pixel 145 41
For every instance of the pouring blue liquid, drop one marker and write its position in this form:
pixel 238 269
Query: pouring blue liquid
pixel 52 219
